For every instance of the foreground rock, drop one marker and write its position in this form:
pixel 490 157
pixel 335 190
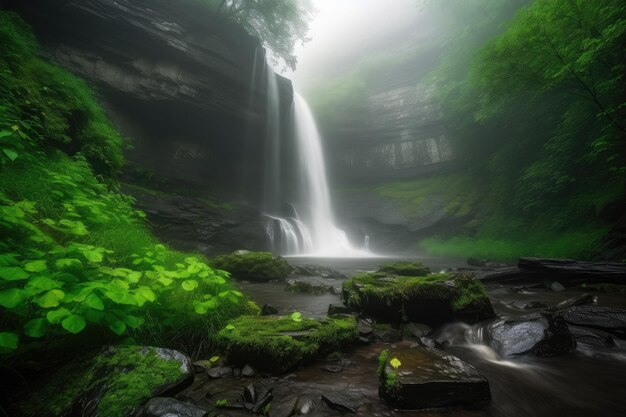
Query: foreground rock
pixel 278 344
pixel 541 335
pixel 254 266
pixel 432 299
pixel 115 382
pixel 169 407
pixel 418 377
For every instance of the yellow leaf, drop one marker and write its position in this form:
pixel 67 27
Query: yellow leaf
pixel 395 363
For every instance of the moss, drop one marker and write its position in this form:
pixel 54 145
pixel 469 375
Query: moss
pixel 408 269
pixel 606 287
pixel 253 265
pixel 278 344
pixel 424 299
pixel 124 377
pixel 387 379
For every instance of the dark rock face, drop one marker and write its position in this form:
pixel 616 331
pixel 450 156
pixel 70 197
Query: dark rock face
pixel 429 378
pixel 168 407
pixel 174 77
pixel 610 320
pixel 541 335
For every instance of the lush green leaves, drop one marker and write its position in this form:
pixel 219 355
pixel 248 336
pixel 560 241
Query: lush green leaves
pixel 9 340
pixel 73 323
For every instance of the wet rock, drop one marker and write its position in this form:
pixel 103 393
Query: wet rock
pixel 277 344
pixel 610 320
pixel 417 330
pixel 386 333
pixel 220 371
pixel 531 305
pixel 317 270
pixel 268 310
pixel 541 335
pixel 364 327
pixel 429 378
pixel 248 371
pixel 335 309
pixel 169 407
pixel 580 300
pixel 333 369
pixel 236 372
pixel 345 401
pixel 555 286
pixel 253 266
pixel 305 405
pixel 432 299
pixel 308 287
pixel 588 338
pixel 94 382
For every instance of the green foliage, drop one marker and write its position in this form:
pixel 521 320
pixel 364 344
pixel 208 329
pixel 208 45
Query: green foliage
pixel 47 107
pixel 548 130
pixel 405 268
pixel 278 344
pixel 74 255
pixel 280 24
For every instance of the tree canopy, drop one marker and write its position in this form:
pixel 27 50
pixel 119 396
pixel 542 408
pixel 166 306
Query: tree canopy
pixel 280 24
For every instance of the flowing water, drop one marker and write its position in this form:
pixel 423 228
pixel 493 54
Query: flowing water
pixel 581 384
pixel 310 228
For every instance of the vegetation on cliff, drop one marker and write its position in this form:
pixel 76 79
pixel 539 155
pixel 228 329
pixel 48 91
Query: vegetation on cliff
pixel 77 262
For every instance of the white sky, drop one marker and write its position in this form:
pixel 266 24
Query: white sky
pixel 342 28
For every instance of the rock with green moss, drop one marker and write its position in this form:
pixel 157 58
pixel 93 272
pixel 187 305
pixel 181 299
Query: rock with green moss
pixel 433 299
pixel 405 269
pixel 113 383
pixel 278 344
pixel 255 266
pixel 418 377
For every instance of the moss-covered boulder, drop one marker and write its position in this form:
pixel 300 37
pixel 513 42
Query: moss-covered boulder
pixel 113 383
pixel 433 299
pixel 255 266
pixel 405 269
pixel 278 344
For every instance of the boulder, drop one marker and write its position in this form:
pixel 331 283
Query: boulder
pixel 278 344
pixel 610 320
pixel 309 270
pixel 268 310
pixel 335 309
pixel 118 379
pixel 314 287
pixel 541 335
pixel 254 266
pixel 169 407
pixel 419 377
pixel 432 299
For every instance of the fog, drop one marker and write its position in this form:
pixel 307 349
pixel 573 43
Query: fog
pixel 343 31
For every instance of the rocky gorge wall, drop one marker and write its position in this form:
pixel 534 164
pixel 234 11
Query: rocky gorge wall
pixel 188 89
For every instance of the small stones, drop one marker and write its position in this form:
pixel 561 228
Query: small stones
pixel 220 371
pixel 168 407
pixel 556 286
pixel 345 401
pixel 248 371
pixel 417 330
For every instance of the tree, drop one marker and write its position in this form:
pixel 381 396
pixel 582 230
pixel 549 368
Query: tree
pixel 280 24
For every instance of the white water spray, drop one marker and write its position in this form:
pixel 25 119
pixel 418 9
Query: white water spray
pixel 312 233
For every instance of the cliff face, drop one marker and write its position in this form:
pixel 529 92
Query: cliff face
pixel 188 89
pixel 176 79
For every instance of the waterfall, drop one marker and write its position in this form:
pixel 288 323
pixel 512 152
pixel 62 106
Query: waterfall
pixel 310 229
pixel 366 242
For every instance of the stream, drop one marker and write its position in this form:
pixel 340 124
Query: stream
pixel 577 384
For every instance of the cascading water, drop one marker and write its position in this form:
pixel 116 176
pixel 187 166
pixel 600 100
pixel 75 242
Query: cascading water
pixel 313 232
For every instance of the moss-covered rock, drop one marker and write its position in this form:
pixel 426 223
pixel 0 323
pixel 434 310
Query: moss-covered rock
pixel 405 269
pixel 277 344
pixel 432 299
pixel 257 266
pixel 113 383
